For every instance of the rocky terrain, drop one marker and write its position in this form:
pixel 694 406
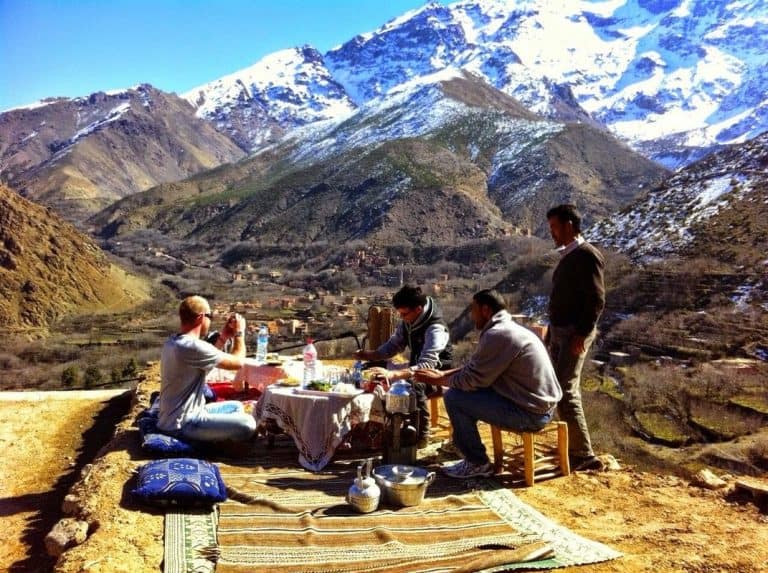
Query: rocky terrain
pixel 48 268
pixel 665 523
pixel 714 207
pixel 79 155
pixel 476 164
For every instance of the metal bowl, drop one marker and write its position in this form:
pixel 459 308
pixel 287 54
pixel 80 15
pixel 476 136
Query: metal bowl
pixel 403 485
pixel 401 473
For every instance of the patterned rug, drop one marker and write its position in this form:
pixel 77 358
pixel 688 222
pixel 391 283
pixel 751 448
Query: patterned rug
pixel 281 518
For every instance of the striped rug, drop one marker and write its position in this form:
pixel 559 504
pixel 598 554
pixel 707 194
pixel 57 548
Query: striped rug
pixel 281 518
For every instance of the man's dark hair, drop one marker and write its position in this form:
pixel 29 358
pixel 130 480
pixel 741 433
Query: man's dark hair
pixel 490 298
pixel 565 213
pixel 409 297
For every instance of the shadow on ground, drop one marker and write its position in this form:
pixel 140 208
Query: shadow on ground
pixel 48 504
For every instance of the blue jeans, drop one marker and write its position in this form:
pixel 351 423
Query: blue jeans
pixel 465 409
pixel 223 422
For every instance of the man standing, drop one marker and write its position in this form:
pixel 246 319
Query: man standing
pixel 424 331
pixel 184 363
pixel 509 381
pixel 577 300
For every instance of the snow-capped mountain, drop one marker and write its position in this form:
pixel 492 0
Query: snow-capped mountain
pixel 283 90
pixel 721 200
pixel 442 159
pixel 673 78
pixel 80 154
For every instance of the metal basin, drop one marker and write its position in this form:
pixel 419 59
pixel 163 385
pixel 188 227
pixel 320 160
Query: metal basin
pixel 403 485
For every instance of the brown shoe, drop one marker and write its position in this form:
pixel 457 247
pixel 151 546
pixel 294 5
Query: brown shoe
pixel 587 464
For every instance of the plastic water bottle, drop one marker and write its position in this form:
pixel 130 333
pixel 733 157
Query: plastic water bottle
pixel 262 340
pixel 310 363
pixel 357 374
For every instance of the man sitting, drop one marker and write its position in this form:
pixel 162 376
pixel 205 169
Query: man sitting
pixel 185 361
pixel 509 381
pixel 425 333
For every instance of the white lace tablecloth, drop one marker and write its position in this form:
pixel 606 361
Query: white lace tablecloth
pixel 317 423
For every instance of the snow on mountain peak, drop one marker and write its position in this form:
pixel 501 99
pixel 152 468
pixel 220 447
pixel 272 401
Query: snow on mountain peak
pixel 290 87
pixel 671 77
pixel 648 69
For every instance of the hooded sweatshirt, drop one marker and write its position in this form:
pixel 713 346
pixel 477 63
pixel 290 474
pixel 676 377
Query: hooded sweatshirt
pixel 513 361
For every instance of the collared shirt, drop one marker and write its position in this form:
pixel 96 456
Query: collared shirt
pixel 570 247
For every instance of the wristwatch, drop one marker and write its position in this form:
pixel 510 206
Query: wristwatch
pixel 238 334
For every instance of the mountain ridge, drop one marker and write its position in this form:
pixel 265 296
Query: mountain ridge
pixel 673 79
pixel 49 269
pixel 78 155
pixel 438 145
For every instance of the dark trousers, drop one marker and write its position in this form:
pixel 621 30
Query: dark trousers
pixel 422 405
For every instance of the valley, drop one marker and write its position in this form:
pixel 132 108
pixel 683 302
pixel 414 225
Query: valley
pixel 303 190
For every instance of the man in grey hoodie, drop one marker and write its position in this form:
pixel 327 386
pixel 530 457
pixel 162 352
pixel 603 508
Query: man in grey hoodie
pixel 424 332
pixel 509 381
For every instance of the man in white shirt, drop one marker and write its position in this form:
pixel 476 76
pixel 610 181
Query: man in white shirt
pixel 185 361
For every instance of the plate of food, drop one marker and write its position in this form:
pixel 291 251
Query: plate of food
pixel 307 392
pixel 319 385
pixel 346 389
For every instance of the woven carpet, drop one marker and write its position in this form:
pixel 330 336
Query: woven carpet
pixel 281 518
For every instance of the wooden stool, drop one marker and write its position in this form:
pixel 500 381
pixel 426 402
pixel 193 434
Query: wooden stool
pixel 529 454
pixel 434 413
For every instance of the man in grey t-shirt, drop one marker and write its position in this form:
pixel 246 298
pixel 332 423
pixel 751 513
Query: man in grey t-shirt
pixel 185 361
pixel 509 381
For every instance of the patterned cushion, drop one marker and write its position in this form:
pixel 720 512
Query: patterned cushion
pixel 183 481
pixel 163 445
pixel 156 443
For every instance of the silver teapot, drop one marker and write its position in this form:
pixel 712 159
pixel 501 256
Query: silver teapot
pixel 398 399
pixel 364 494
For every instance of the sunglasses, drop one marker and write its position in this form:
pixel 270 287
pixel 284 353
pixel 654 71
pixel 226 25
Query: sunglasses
pixel 209 315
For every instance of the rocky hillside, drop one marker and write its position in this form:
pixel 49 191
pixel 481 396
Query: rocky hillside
pixel 48 268
pixel 716 208
pixel 79 155
pixel 438 162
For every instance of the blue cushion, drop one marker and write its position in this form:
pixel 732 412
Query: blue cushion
pixel 183 481
pixel 163 445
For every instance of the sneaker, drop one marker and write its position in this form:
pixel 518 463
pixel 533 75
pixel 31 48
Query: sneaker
pixel 588 463
pixel 466 469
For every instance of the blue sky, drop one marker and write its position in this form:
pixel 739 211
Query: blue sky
pixel 76 47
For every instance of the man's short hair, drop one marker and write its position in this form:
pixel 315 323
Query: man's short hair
pixel 409 297
pixel 565 213
pixel 490 298
pixel 191 307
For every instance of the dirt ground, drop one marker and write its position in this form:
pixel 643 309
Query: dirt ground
pixel 660 523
